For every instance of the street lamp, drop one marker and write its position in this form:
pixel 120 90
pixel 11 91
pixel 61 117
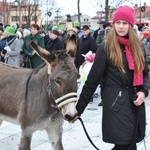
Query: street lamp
pixel 57 13
pixel 16 4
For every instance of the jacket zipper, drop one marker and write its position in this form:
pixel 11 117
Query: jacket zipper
pixel 119 95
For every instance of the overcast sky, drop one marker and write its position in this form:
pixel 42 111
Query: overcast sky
pixel 88 7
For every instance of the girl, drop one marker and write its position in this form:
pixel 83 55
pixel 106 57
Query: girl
pixel 120 63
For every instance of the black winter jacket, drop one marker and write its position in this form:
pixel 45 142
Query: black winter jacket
pixel 85 45
pixel 56 44
pixel 119 113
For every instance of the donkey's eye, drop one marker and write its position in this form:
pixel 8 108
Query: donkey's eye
pixel 58 81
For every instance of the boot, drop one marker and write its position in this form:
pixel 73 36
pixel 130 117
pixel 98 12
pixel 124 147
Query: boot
pixel 101 103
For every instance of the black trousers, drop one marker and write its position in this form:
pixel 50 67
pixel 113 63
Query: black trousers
pixel 124 147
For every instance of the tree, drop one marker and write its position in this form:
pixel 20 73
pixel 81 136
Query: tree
pixel 108 4
pixel 106 10
pixel 78 4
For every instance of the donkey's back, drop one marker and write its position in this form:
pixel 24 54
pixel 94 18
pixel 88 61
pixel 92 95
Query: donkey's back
pixel 12 90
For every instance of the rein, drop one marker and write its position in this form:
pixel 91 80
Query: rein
pixel 65 99
pixel 88 137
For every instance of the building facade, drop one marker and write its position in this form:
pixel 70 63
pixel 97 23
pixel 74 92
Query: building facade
pixel 19 12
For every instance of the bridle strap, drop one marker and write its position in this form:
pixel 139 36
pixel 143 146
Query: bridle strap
pixel 70 97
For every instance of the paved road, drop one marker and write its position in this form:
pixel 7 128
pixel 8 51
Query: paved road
pixel 73 137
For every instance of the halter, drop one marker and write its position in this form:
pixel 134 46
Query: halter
pixel 65 99
pixel 70 97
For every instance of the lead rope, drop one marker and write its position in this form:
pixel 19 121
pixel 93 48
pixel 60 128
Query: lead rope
pixel 145 145
pixel 88 137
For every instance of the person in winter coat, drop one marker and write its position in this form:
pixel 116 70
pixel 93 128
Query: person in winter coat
pixel 1 31
pixel 86 43
pixel 71 42
pixel 120 62
pixel 101 23
pixel 145 38
pixel 54 42
pixel 31 59
pixel 11 52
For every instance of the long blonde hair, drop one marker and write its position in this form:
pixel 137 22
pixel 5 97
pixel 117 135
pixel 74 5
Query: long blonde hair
pixel 113 49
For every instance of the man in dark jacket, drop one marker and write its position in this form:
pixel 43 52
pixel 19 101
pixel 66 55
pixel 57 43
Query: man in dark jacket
pixel 86 44
pixel 98 30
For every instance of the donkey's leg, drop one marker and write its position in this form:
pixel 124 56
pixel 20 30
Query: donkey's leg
pixel 55 137
pixel 25 140
pixel 54 131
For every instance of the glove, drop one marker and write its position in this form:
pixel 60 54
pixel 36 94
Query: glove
pixel 7 48
pixel 4 51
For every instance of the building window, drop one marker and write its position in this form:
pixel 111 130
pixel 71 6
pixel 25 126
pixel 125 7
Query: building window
pixel 22 7
pixel 24 18
pixel 87 20
pixel 34 18
pixel 12 7
pixel 84 20
pixel 15 18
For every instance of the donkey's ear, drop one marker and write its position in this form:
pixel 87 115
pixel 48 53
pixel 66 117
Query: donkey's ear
pixel 44 54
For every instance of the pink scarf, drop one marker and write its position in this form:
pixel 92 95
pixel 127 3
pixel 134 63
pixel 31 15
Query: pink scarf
pixel 138 79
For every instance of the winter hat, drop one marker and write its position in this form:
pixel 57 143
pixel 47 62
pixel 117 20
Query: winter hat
pixel 72 29
pixel 124 13
pixel 61 27
pixel 85 27
pixel 55 32
pixel 14 26
pixel 105 25
pixel 89 56
pixel 101 22
pixel 10 30
pixel 76 24
pixel 55 28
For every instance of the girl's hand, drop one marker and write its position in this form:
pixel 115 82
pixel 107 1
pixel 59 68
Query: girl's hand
pixel 140 99
pixel 3 55
pixel 74 119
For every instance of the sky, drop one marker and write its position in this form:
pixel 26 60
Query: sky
pixel 88 7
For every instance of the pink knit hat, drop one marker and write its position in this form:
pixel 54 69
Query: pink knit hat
pixel 124 13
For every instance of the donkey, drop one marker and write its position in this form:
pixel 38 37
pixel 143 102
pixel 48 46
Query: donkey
pixel 39 98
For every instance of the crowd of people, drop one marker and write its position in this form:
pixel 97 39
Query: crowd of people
pixel 118 56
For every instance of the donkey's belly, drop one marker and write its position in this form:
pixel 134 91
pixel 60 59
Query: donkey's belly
pixel 9 119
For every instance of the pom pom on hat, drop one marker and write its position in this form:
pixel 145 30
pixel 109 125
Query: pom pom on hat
pixel 125 13
pixel 89 56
